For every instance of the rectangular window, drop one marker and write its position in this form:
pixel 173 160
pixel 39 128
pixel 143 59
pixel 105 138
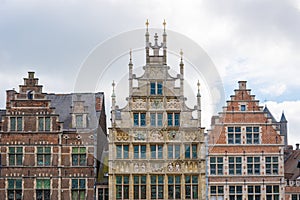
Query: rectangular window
pixel 252 135
pixel 173 119
pixel 156 119
pixel 243 107
pixel 103 194
pixel 139 188
pixel 235 192
pixel 216 192
pixel 191 151
pixel 78 156
pixel 122 151
pixel 156 88
pixel 253 165
pixel 272 165
pixel 191 187
pixel 139 151
pixel 216 165
pixel 14 189
pixel 157 186
pixel 79 121
pixel 16 123
pixel 174 187
pixel 44 123
pixel 295 196
pixel 234 135
pixel 235 165
pixel 139 119
pixel 253 192
pixel 78 189
pixel 156 151
pixel 173 151
pixel 272 192
pixel 43 156
pixel 15 156
pixel 43 189
pixel 122 187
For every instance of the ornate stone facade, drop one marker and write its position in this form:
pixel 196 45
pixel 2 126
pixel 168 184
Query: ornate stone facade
pixel 156 146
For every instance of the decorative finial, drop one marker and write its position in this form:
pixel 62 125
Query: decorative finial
pixel 130 55
pixel 198 85
pixel 181 54
pixel 164 23
pixel 113 85
pixel 147 24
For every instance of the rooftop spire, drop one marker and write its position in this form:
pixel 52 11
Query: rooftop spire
pixel 198 85
pixel 147 24
pixel 181 55
pixel 130 56
pixel 113 93
pixel 164 24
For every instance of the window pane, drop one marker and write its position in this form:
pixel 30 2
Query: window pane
pixel 177 119
pixel 12 123
pixel 119 151
pixel 136 151
pixel 79 121
pixel 159 119
pixel 136 119
pixel 143 151
pixel 170 119
pixel 187 151
pixel 159 88
pixel 74 183
pixel 153 119
pixel 160 152
pixel 82 183
pixel 19 123
pixel 41 123
pixel 125 151
pixel 152 88
pixel 143 119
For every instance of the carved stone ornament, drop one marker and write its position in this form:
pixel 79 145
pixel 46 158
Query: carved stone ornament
pixel 173 104
pixel 122 136
pixel 156 104
pixel 172 135
pixel 139 104
pixel 157 135
pixel 191 136
pixel 139 135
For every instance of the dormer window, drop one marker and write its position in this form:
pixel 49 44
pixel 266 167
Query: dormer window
pixel 156 88
pixel 79 121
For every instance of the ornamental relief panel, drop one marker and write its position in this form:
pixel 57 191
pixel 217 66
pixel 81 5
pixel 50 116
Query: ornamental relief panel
pixel 139 104
pixel 156 135
pixel 139 135
pixel 139 167
pixel 156 104
pixel 173 135
pixel 174 167
pixel 190 166
pixel 156 73
pixel 191 136
pixel 173 104
pixel 120 135
pixel 157 167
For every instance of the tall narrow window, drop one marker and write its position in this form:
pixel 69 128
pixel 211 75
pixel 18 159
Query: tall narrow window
pixel 78 189
pixel 79 121
pixel 139 119
pixel 15 156
pixel 272 165
pixel 235 165
pixel 14 190
pixel 173 119
pixel 157 187
pixel 174 187
pixel 43 156
pixel 12 124
pixel 43 189
pixel 191 187
pixel 122 187
pixel 78 156
pixel 139 188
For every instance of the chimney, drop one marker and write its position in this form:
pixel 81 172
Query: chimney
pixel 297 146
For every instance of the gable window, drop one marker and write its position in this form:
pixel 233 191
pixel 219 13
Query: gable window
pixel 43 156
pixel 15 156
pixel 78 156
pixel 44 124
pixel 139 119
pixel 234 135
pixel 79 121
pixel 16 123
pixel 173 119
pixel 252 135
pixel 243 107
pixel 78 189
pixel 156 119
pixel 43 189
pixel 156 88
pixel 122 151
pixel 14 190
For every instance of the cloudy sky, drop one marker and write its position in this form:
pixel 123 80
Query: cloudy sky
pixel 255 40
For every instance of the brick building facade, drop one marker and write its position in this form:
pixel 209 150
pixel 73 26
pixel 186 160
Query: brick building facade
pixel 246 151
pixel 48 142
